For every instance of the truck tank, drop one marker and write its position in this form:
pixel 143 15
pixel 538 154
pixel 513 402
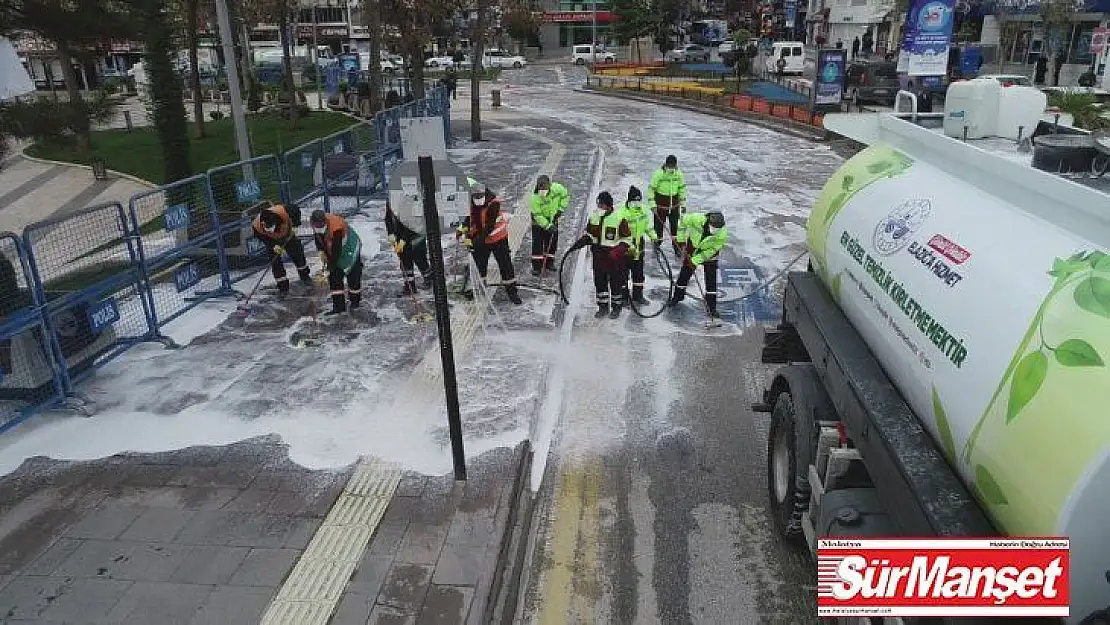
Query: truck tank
pixel 982 286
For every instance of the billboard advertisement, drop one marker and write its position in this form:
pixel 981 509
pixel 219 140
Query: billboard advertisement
pixel 828 84
pixel 929 31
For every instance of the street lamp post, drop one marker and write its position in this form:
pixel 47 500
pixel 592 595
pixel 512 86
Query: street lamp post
pixel 593 28
pixel 316 57
pixel 238 117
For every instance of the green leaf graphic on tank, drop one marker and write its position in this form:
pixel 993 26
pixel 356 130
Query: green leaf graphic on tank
pixel 943 428
pixel 870 165
pixel 988 487
pixel 1046 421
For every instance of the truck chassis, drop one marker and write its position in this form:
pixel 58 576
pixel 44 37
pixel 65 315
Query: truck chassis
pixel 846 456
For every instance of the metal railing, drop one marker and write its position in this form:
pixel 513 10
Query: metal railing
pixel 79 289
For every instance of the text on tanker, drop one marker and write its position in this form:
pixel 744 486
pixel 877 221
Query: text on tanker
pixel 952 347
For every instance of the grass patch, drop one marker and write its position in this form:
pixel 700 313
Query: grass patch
pixel 139 153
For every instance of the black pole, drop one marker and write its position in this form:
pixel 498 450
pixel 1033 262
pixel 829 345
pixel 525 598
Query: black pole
pixel 443 317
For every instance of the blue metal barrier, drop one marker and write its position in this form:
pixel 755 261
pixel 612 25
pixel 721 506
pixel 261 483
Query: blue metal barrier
pixel 30 379
pixel 237 192
pixel 86 268
pixel 178 247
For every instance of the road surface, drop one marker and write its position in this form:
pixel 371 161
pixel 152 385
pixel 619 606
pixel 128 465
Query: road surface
pixel 652 506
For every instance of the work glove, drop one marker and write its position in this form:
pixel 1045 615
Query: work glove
pixel 467 243
pixel 324 260
pixel 321 278
pixel 399 246
pixel 278 250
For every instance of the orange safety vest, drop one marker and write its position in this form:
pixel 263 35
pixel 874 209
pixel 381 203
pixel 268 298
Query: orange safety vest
pixel 334 227
pixel 478 218
pixel 284 229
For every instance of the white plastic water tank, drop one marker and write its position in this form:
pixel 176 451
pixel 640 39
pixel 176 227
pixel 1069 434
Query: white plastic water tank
pixel 974 104
pixel 1019 106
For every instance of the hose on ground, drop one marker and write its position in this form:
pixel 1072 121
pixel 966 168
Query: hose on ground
pixel 665 265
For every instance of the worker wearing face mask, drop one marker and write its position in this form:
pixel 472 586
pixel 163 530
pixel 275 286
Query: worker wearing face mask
pixel 488 234
pixel 276 227
pixel 341 254
pixel 549 200
pixel 667 194
pixel 610 240
pixel 639 221
pixel 701 237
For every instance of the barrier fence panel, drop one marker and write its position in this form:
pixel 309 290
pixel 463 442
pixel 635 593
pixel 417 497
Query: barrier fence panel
pixel 177 247
pixel 29 376
pixel 364 137
pixel 238 192
pixel 302 165
pixel 87 268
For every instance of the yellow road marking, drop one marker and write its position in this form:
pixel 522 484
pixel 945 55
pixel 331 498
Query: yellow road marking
pixel 588 530
pixel 567 585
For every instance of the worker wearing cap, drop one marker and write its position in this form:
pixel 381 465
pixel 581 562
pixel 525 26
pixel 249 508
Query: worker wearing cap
pixel 549 200
pixel 667 194
pixel 488 234
pixel 701 237
pixel 610 240
pixel 411 248
pixel 639 222
pixel 276 227
pixel 341 254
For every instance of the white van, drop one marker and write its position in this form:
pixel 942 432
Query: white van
pixel 788 55
pixel 584 53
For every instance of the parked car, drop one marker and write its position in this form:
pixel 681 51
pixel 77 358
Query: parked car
pixel 787 57
pixel 584 53
pixel 871 82
pixel 502 59
pixel 689 53
pixel 439 61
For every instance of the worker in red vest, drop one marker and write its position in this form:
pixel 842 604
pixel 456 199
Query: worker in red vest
pixel 488 234
pixel 276 227
pixel 341 254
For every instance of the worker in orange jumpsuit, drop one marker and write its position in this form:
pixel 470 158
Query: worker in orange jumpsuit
pixel 276 227
pixel 488 234
pixel 341 254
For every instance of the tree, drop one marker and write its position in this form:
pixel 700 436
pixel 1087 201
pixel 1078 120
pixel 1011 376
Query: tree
pixel 417 21
pixel 74 26
pixel 478 34
pixel 279 12
pixel 166 94
pixel 520 19
pixel 372 20
pixel 192 37
pixel 1058 17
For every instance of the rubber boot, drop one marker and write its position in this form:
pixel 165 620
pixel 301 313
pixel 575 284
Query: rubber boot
pixel 356 300
pixel 638 296
pixel 338 305
pixel 514 297
pixel 711 304
pixel 306 276
pixel 283 288
pixel 426 281
pixel 537 267
pixel 615 310
pixel 602 310
pixel 679 295
pixel 410 289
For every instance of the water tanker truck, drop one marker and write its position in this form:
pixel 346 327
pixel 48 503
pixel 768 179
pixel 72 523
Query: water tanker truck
pixel 947 353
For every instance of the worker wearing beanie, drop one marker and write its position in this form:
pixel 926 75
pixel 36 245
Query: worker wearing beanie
pixel 549 200
pixel 701 237
pixel 639 222
pixel 276 227
pixel 411 247
pixel 610 238
pixel 341 254
pixel 667 194
pixel 488 233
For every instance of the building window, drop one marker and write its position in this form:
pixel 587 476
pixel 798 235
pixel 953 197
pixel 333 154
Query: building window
pixel 1080 51
pixel 576 34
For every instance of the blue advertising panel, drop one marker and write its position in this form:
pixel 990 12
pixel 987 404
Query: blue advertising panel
pixel 931 34
pixel 829 83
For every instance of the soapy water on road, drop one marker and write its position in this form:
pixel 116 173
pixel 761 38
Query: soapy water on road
pixel 335 405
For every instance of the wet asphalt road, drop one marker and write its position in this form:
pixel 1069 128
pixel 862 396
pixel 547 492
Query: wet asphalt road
pixel 653 507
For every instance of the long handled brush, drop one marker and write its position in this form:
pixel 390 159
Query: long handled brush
pixel 422 315
pixel 243 310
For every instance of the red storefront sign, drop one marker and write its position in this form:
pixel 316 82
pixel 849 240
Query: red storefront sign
pixel 304 31
pixel 576 17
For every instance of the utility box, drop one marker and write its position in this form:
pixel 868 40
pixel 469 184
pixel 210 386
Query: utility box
pixel 407 200
pixel 423 136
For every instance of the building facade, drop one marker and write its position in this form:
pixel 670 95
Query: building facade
pixel 568 23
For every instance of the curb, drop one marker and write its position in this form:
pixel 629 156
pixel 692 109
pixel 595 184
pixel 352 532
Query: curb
pixel 755 119
pixel 495 605
pixel 118 174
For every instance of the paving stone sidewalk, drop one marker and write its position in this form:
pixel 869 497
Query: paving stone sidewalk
pixel 207 535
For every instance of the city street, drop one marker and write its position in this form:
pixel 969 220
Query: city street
pixel 648 474
pixel 653 503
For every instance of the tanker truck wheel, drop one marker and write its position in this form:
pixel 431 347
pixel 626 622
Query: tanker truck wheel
pixel 800 402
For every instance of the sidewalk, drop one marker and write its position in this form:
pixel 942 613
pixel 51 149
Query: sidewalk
pixel 209 535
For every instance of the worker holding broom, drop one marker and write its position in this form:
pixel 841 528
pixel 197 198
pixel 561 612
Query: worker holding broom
pixel 549 200
pixel 701 237
pixel 488 235
pixel 276 227
pixel 411 248
pixel 341 254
